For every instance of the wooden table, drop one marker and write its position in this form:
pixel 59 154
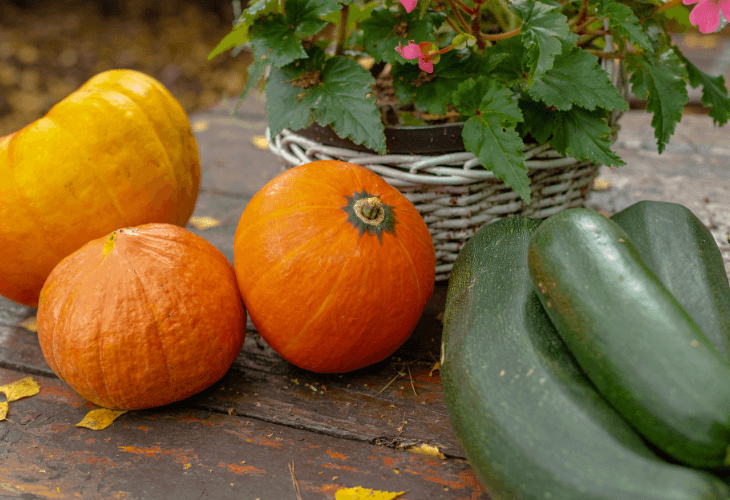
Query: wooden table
pixel 241 438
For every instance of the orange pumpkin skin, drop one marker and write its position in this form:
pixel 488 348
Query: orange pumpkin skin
pixel 325 297
pixel 118 152
pixel 147 316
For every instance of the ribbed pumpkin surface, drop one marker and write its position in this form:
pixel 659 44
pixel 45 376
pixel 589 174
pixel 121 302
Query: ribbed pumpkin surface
pixel 117 152
pixel 327 291
pixel 147 316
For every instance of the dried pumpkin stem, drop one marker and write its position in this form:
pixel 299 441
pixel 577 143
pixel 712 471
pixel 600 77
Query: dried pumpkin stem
pixel 370 210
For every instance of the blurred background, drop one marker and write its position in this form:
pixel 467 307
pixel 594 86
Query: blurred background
pixel 48 48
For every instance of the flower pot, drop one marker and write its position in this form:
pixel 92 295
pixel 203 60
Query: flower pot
pixel 455 195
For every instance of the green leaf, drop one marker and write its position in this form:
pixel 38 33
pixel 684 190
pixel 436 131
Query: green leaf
pixel 584 135
pixel 345 101
pixel 305 14
pixel 336 91
pixel 431 92
pixel 577 79
pixel 663 82
pixel 714 92
pixel 490 132
pixel 386 29
pixel 542 30
pixel 622 20
pixel 240 34
pixel 274 39
pixel 539 121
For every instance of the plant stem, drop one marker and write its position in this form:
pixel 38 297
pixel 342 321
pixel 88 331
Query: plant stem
pixel 669 5
pixel 457 13
pixel 608 55
pixel 342 32
pixel 501 36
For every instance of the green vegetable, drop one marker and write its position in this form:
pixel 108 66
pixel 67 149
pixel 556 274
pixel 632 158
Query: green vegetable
pixel 531 424
pixel 636 343
pixel 683 254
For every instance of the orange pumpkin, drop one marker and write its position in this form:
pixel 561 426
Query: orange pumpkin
pixel 117 152
pixel 144 317
pixel 334 265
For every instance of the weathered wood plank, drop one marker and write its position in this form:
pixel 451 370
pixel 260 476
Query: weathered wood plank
pixel 183 452
pixel 367 405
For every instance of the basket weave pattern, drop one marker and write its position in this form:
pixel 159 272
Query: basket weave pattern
pixel 452 192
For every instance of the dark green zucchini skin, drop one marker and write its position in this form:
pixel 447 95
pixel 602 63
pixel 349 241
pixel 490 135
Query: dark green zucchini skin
pixel 636 343
pixel 531 424
pixel 683 254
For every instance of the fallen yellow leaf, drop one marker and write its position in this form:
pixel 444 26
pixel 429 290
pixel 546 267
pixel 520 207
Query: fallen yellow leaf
pixel 436 366
pixel 22 388
pixel 204 222
pixel 360 493
pixel 426 449
pixel 100 419
pixel 260 142
pixel 29 324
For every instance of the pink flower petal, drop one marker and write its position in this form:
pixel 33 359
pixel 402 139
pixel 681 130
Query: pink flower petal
pixel 409 4
pixel 689 2
pixel 706 15
pixel 410 51
pixel 425 65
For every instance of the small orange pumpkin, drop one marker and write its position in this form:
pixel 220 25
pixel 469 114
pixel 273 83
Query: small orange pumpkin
pixel 144 317
pixel 335 266
pixel 117 152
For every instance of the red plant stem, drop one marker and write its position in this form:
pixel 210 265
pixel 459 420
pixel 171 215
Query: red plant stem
pixel 669 5
pixel 459 18
pixel 342 32
pixel 500 36
pixel 608 55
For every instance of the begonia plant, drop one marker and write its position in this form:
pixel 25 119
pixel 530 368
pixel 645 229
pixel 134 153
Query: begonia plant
pixel 515 72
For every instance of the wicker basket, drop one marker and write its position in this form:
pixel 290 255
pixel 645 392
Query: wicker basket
pixel 453 193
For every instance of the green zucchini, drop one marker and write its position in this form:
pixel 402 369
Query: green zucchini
pixel 683 254
pixel 636 343
pixel 530 423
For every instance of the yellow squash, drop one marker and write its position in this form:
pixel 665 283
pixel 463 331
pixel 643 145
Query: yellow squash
pixel 117 152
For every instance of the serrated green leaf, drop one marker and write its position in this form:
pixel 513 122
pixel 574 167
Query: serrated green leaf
pixel 714 92
pixel 490 132
pixel 623 21
pixel 304 15
pixel 344 101
pixel 577 79
pixel 240 33
pixel 430 92
pixel 663 82
pixel 584 135
pixel 256 72
pixel 386 29
pixel 287 109
pixel 542 29
pixel 274 39
pixel 539 122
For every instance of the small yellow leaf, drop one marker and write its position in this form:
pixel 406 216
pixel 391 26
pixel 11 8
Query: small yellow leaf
pixel 427 449
pixel 601 185
pixel 29 324
pixel 360 493
pixel 204 222
pixel 100 419
pixel 436 366
pixel 260 142
pixel 200 126
pixel 187 466
pixel 22 388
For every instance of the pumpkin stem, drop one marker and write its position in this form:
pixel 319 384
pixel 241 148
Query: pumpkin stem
pixel 370 210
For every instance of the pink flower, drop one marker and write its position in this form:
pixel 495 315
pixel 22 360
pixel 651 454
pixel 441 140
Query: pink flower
pixel 426 52
pixel 409 4
pixel 707 13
